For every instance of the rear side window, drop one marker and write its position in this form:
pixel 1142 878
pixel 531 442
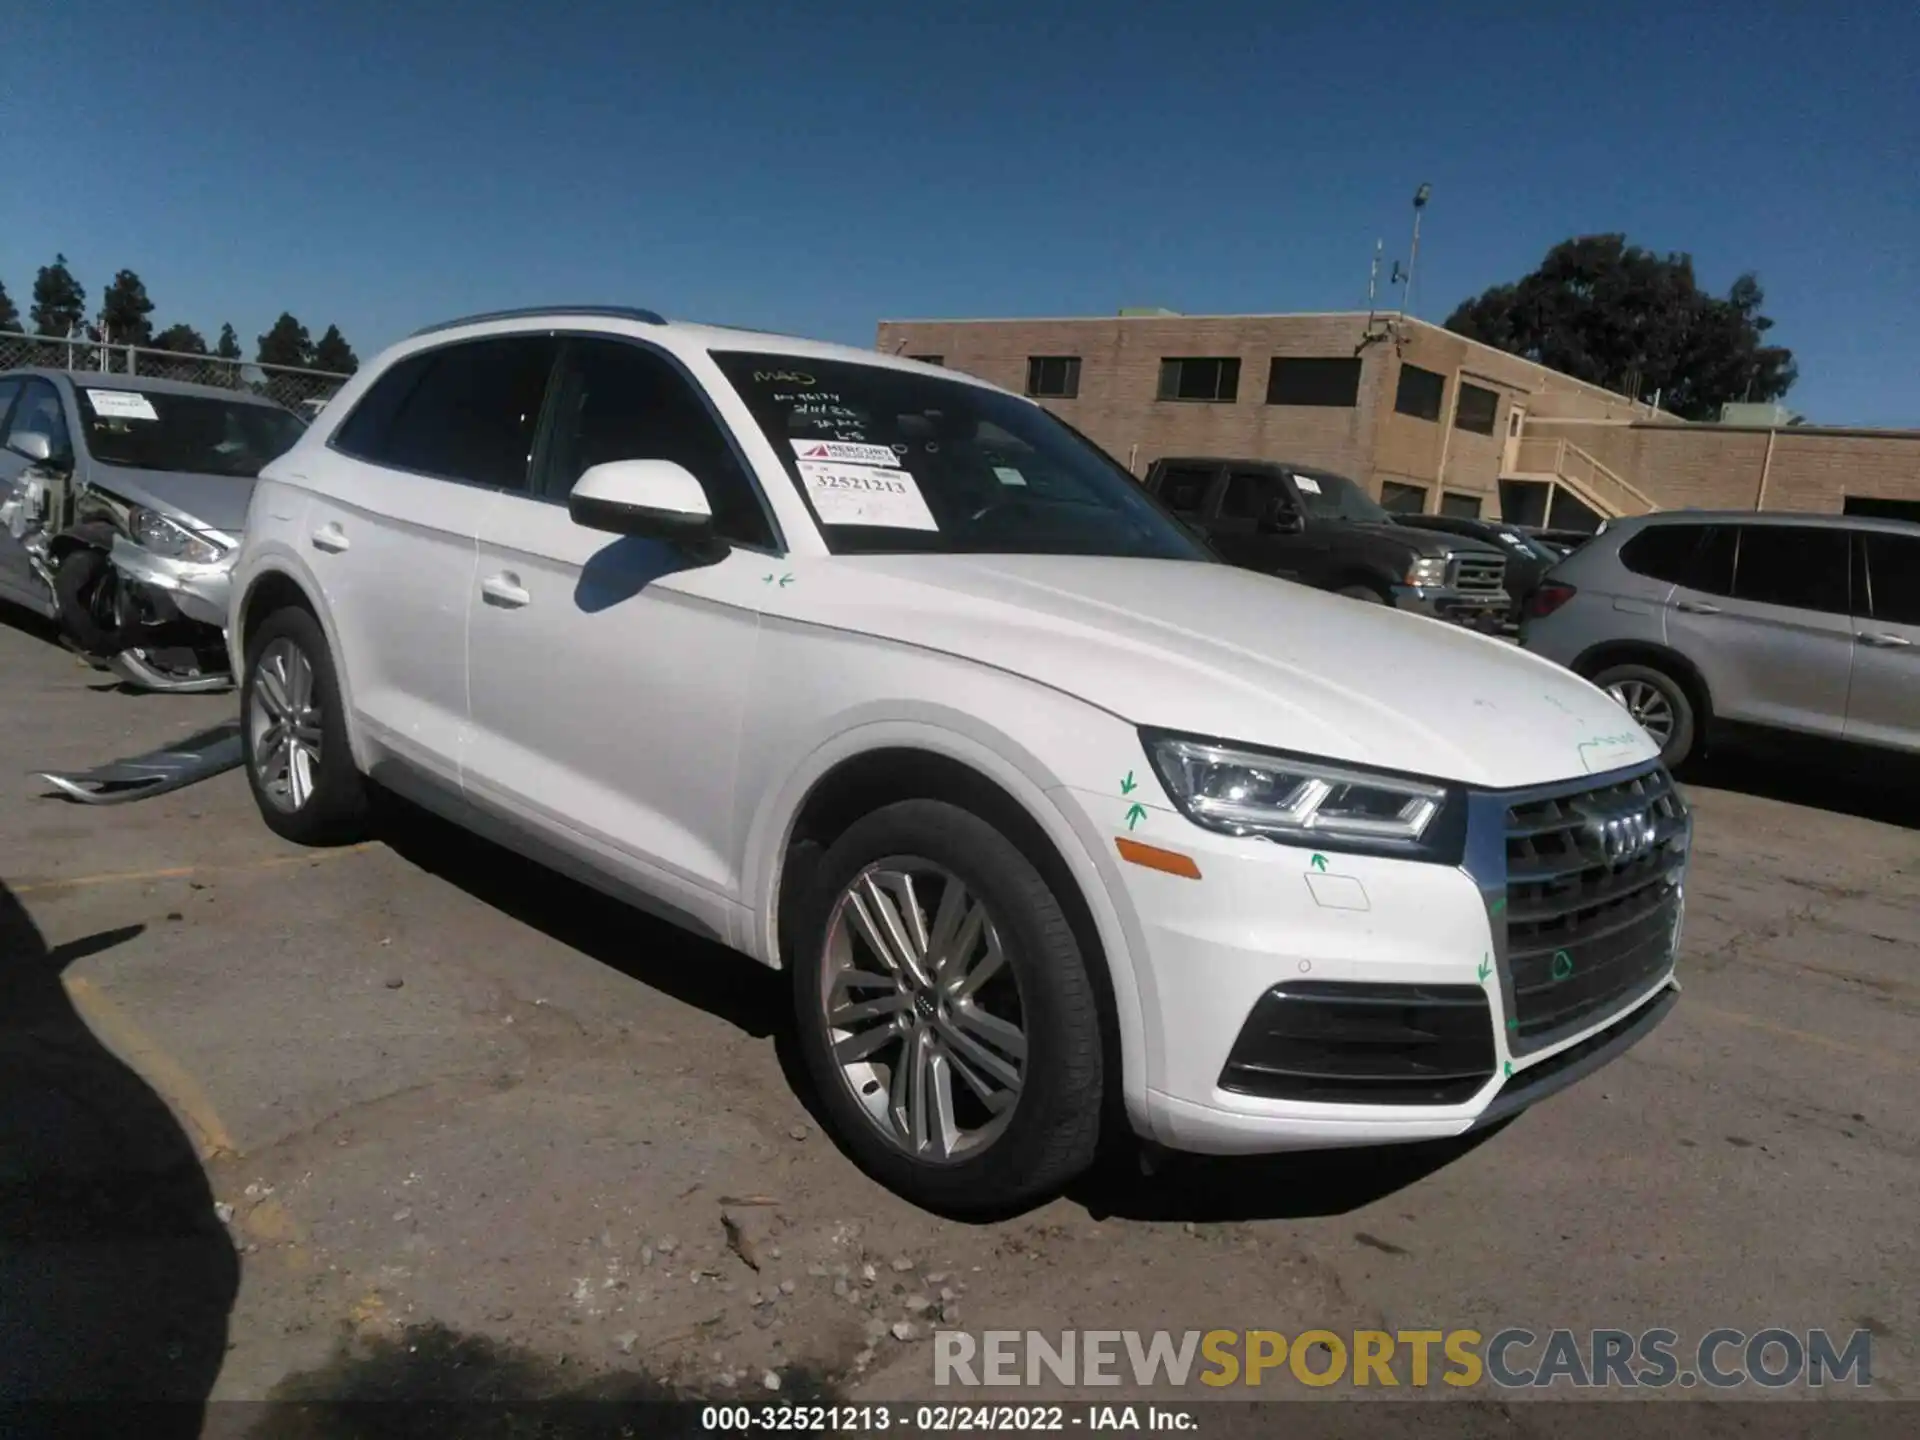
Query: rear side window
pixel 8 389
pixel 1893 577
pixel 1801 567
pixel 1663 552
pixel 1248 495
pixel 1183 488
pixel 468 412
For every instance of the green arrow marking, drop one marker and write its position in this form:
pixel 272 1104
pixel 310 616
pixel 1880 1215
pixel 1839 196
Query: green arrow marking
pixel 1486 968
pixel 1127 785
pixel 785 580
pixel 1136 812
pixel 1319 862
pixel 1498 905
pixel 1513 1024
pixel 1562 965
pixel 766 579
pixel 1509 1067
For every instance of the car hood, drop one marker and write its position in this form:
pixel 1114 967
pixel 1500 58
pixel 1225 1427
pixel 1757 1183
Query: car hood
pixel 200 502
pixel 1418 538
pixel 1215 650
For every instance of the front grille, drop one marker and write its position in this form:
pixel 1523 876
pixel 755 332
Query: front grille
pixel 1369 1044
pixel 1590 923
pixel 1480 574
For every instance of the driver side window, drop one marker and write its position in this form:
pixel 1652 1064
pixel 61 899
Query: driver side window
pixel 40 409
pixel 623 402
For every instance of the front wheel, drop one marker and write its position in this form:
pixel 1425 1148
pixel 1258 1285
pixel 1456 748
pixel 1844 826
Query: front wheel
pixel 293 735
pixel 95 609
pixel 1658 703
pixel 945 1012
pixel 1366 594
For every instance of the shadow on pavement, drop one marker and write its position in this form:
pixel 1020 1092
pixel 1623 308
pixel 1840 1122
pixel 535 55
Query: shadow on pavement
pixel 431 1381
pixel 116 1277
pixel 1877 785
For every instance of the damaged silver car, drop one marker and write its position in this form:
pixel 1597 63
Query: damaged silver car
pixel 122 500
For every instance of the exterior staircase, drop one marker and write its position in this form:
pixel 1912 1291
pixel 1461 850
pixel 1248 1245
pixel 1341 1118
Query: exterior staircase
pixel 1565 470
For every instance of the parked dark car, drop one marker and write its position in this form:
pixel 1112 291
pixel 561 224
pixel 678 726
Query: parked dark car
pixel 1528 557
pixel 1562 542
pixel 1322 529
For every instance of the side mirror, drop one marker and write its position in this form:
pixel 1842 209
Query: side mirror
pixel 655 498
pixel 1282 519
pixel 36 446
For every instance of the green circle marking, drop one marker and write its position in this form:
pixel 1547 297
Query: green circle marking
pixel 1562 965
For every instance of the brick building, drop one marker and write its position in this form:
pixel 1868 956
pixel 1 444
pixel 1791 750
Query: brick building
pixel 1426 419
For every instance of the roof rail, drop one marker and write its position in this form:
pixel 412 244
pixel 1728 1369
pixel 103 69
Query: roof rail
pixel 605 312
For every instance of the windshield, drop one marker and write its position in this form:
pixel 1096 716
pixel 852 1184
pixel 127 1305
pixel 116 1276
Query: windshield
pixel 1334 497
pixel 155 430
pixel 890 461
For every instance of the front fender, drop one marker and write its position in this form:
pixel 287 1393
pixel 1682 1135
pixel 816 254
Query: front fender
pixel 275 562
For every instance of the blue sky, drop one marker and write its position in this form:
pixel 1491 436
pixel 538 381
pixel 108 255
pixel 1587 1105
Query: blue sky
pixel 816 168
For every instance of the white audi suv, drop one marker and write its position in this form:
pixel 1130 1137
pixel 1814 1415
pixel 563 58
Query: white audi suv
pixel 889 679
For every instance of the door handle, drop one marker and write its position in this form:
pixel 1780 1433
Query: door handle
pixel 505 591
pixel 330 538
pixel 1884 642
pixel 1697 607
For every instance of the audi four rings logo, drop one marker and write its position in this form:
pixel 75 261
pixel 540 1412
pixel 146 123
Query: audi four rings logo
pixel 1621 839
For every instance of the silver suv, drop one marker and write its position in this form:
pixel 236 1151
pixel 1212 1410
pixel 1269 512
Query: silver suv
pixel 1694 620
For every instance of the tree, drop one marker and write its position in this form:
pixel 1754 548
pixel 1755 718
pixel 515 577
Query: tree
pixel 287 343
pixel 59 300
pixel 1617 315
pixel 228 346
pixel 333 353
pixel 9 314
pixel 125 310
pixel 181 340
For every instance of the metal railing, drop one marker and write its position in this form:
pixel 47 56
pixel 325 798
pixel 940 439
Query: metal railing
pixel 1581 472
pixel 288 385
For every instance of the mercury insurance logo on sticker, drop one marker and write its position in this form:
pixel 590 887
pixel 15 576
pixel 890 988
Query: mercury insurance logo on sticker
pixel 866 495
pixel 122 405
pixel 846 451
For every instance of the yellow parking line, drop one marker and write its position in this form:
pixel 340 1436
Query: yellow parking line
pixel 180 872
pixel 1773 1027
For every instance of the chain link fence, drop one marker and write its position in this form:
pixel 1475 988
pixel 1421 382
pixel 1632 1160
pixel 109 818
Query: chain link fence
pixel 301 391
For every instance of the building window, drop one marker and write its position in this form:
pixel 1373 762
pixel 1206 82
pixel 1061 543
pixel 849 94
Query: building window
pixel 1403 499
pixel 1461 507
pixel 1294 380
pixel 1419 393
pixel 929 359
pixel 1200 380
pixel 1053 377
pixel 1475 409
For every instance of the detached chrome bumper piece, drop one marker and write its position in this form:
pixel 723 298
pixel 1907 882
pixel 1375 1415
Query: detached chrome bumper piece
pixel 198 757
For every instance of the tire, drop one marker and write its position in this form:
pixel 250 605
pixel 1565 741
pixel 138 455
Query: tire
pixel 321 799
pixel 92 601
pixel 1366 594
pixel 1659 703
pixel 996 1157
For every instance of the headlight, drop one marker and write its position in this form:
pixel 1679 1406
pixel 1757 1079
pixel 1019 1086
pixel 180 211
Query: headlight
pixel 164 537
pixel 1428 571
pixel 1309 802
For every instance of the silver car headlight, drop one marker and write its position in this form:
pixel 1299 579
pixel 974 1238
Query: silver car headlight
pixel 166 537
pixel 1428 572
pixel 1307 801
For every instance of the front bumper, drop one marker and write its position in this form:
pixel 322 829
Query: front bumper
pixel 1475 610
pixel 198 592
pixel 1427 942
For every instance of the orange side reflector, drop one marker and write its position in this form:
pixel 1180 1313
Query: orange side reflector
pixel 1154 858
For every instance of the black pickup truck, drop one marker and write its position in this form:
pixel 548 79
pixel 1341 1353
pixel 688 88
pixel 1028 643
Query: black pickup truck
pixel 1323 530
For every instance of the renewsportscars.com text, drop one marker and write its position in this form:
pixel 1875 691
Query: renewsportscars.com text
pixel 1514 1358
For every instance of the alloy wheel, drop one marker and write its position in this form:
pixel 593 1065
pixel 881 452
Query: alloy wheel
pixel 922 1010
pixel 283 723
pixel 1647 705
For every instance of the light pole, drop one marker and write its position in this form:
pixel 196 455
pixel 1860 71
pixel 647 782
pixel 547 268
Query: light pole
pixel 1420 198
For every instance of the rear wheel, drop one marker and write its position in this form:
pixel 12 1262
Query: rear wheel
pixel 294 735
pixel 944 1011
pixel 1659 704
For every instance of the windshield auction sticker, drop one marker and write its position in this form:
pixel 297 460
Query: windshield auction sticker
pixel 122 405
pixel 865 495
pixel 845 450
